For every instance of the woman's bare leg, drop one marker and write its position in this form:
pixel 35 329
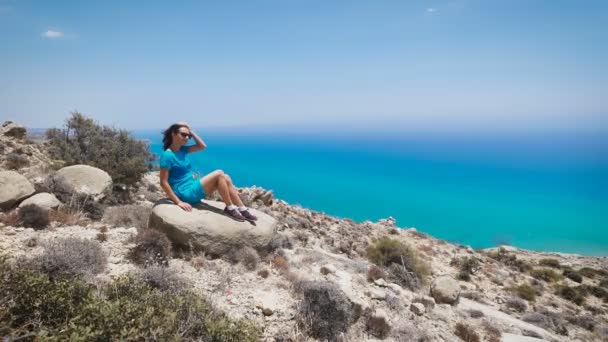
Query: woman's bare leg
pixel 234 194
pixel 216 181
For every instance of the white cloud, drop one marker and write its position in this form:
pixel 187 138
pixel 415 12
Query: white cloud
pixel 52 34
pixel 431 10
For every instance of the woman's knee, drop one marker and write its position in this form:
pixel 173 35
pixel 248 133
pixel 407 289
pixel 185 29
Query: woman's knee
pixel 228 179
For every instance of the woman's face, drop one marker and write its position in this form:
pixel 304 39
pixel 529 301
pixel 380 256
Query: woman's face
pixel 182 135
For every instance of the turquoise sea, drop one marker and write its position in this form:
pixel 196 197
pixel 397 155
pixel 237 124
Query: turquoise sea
pixel 547 193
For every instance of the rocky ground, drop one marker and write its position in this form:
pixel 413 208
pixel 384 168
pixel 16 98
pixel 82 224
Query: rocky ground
pixel 478 289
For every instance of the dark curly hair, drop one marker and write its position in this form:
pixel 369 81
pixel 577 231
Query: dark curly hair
pixel 168 135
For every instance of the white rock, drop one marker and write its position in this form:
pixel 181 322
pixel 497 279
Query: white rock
pixel 376 293
pixel 13 188
pixel 445 289
pixel 83 179
pixel 43 200
pixel 395 287
pixel 207 227
pixel 380 282
pixel 329 268
pixel 417 308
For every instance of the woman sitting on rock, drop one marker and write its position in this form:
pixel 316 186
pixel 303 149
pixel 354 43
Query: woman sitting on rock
pixel 185 188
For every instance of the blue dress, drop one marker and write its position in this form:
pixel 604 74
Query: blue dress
pixel 185 186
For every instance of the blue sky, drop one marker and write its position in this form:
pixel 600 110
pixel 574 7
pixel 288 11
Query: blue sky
pixel 399 65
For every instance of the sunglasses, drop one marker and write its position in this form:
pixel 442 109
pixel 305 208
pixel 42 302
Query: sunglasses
pixel 185 135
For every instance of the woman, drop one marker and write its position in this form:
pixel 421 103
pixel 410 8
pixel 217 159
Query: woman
pixel 181 184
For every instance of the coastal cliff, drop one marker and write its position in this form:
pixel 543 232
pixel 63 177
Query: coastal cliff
pixel 315 277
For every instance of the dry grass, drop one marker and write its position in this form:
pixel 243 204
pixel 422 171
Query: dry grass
pixel 280 263
pixel 66 216
pixel 466 333
pixel 127 216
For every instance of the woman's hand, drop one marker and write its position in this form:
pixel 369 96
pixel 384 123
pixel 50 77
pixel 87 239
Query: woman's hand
pixel 185 206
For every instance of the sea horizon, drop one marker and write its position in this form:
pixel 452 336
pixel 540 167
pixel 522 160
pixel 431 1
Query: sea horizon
pixel 543 192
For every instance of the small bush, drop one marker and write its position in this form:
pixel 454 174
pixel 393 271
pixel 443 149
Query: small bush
pixel 280 263
pixel 573 275
pixel 516 304
pixel 16 161
pixel 264 273
pixel 324 312
pixel 466 333
pixel 127 216
pixel 572 294
pixel 402 276
pixel 377 326
pixel 588 272
pixel 387 251
pixel 83 141
pixel 32 216
pixel 374 273
pixel 151 247
pixel 83 204
pixel 102 237
pixel 69 256
pixel 162 278
pixel 248 257
pixel 197 262
pixel 554 263
pixel 545 274
pixel 547 320
pixel 279 241
pixel 525 291
pixel 467 266
pixel 493 334
pixel 604 283
pixel 126 310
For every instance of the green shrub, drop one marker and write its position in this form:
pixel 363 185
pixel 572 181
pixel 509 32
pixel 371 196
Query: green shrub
pixel 32 216
pixel 66 308
pixel 545 274
pixel 502 255
pixel 69 256
pixel 387 251
pixel 467 266
pixel 84 141
pixel 575 295
pixel 525 291
pixel 151 247
pixel 573 275
pixel 554 263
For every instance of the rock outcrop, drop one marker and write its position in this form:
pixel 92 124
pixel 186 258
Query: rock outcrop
pixel 11 129
pixel 207 228
pixel 14 187
pixel 42 200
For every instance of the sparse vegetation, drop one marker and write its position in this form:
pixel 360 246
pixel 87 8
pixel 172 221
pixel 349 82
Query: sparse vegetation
pixel 573 275
pixel 516 304
pixel 525 291
pixel 84 141
pixel 467 266
pixel 466 333
pixel 69 256
pixel 548 262
pixel 503 256
pixel 151 247
pixel 127 216
pixel 264 273
pixel 16 161
pixel 377 326
pixel 126 309
pixel 247 256
pixel 162 278
pixel 573 294
pixel 545 274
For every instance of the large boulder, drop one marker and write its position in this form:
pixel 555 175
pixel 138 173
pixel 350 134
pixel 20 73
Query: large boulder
pixel 13 188
pixel 207 228
pixel 445 289
pixel 82 180
pixel 43 200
